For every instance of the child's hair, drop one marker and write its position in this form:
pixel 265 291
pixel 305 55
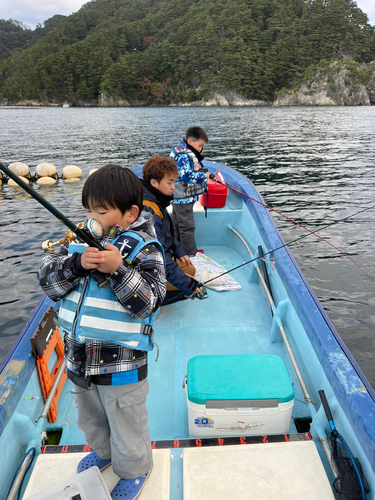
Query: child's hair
pixel 113 187
pixel 196 133
pixel 158 167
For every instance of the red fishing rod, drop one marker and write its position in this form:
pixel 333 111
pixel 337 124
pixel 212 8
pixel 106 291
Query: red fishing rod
pixel 291 243
pixel 212 177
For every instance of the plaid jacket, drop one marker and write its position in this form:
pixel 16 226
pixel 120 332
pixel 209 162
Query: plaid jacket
pixel 102 362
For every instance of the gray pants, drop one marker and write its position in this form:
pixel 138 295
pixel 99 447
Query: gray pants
pixel 184 226
pixel 114 420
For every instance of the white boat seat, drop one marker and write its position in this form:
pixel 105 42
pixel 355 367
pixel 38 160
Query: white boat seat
pixel 51 469
pixel 284 471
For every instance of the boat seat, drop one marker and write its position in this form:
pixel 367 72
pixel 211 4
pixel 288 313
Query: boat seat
pixel 51 469
pixel 286 471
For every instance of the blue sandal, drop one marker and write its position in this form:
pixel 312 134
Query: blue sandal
pixel 91 460
pixel 130 489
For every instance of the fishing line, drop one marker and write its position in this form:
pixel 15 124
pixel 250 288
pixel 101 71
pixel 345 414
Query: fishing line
pixel 295 241
pixel 295 222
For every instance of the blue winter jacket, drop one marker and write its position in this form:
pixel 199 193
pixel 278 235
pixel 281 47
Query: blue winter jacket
pixel 190 170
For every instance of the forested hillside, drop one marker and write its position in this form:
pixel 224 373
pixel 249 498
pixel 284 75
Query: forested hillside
pixel 163 51
pixel 16 36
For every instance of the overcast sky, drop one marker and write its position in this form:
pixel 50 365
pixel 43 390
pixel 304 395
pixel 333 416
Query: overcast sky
pixel 32 12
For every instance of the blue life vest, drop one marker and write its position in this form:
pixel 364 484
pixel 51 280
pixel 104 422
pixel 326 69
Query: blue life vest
pixel 90 312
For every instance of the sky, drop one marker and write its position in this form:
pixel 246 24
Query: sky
pixel 32 12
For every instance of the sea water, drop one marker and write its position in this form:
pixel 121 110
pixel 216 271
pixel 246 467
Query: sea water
pixel 315 165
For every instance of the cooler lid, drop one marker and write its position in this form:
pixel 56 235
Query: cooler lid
pixel 239 377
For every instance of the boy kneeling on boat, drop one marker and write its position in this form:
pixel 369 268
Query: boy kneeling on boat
pixel 159 177
pixel 108 330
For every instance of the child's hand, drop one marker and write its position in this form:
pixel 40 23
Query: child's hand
pixel 106 261
pixel 112 260
pixel 186 259
pixel 91 258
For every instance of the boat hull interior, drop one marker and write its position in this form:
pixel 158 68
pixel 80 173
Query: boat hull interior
pixel 236 322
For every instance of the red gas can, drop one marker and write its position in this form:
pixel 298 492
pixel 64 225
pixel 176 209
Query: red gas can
pixel 217 193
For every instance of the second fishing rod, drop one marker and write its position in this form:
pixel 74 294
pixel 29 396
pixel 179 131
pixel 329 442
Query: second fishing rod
pixel 218 181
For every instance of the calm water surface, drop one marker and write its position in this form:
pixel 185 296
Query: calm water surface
pixel 316 165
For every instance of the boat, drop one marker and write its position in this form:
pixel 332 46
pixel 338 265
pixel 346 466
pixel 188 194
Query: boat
pixel 66 105
pixel 256 450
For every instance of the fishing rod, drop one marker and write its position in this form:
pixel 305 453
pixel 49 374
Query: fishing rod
pixel 291 243
pixel 212 177
pixel 91 227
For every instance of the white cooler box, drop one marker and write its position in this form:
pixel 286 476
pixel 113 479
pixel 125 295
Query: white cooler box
pixel 238 395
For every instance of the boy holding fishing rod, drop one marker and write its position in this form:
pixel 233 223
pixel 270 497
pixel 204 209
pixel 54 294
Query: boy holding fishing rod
pixel 108 330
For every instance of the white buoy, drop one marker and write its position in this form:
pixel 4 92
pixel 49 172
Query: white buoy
pixel 12 183
pixel 43 181
pixel 71 171
pixel 72 180
pixel 92 171
pixel 45 170
pixel 19 168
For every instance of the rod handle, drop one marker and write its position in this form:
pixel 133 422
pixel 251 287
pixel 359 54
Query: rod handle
pixel 325 405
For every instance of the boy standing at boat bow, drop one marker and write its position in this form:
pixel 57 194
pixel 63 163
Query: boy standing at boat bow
pixel 107 331
pixel 192 176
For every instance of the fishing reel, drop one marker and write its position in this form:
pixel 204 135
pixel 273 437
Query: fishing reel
pixel 203 294
pixel 91 227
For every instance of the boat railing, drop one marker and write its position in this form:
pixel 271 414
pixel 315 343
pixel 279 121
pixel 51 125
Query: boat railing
pixel 309 401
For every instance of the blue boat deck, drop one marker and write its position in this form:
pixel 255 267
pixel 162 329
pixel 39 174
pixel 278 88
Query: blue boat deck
pixel 237 322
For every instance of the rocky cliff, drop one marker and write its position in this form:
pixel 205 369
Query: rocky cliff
pixel 339 83
pixel 228 99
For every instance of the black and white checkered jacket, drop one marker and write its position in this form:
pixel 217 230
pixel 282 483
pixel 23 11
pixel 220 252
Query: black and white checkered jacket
pixel 96 361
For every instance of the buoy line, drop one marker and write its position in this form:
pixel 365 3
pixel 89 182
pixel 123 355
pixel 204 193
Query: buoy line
pixel 45 174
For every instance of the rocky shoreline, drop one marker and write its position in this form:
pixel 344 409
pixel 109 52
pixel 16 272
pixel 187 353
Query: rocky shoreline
pixel 338 83
pixel 221 100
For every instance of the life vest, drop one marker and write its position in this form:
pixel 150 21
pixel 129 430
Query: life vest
pixel 184 189
pixel 90 312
